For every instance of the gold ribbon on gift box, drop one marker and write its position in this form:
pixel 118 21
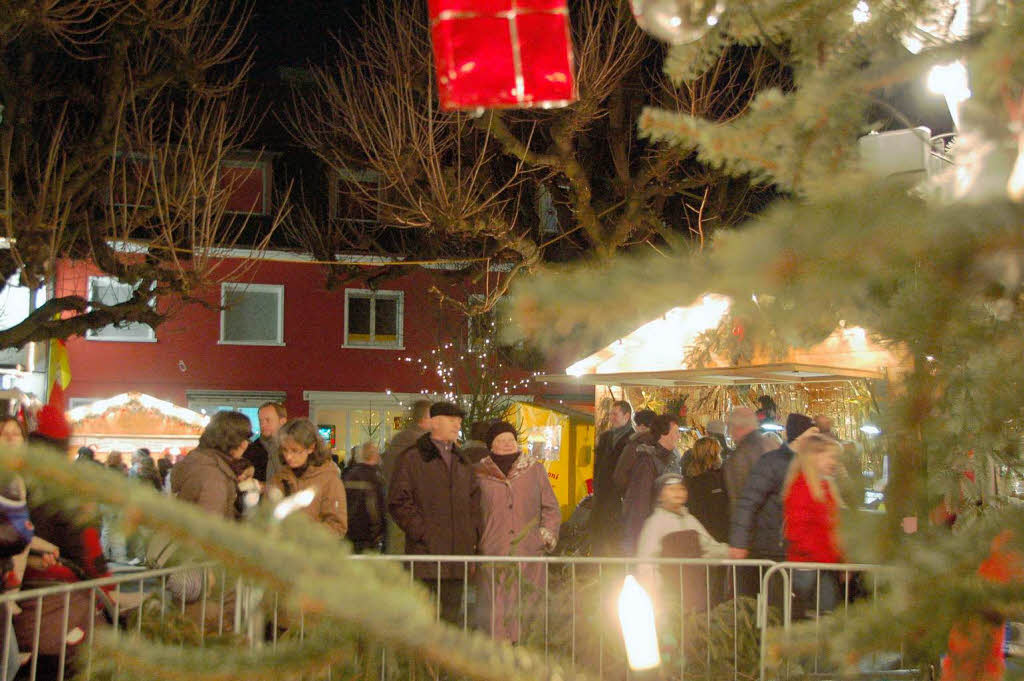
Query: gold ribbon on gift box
pixel 512 15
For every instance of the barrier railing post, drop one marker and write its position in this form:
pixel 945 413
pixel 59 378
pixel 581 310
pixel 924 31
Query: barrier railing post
pixel 92 632
pixel 65 618
pixel 682 624
pixel 572 578
pixel 8 637
pixel 465 595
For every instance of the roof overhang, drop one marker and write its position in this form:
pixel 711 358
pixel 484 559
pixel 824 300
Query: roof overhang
pixel 786 372
pixel 658 354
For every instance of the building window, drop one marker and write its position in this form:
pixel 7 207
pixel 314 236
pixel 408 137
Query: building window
pixel 373 319
pixel 209 402
pixel 355 196
pixel 248 186
pixel 110 291
pixel 251 314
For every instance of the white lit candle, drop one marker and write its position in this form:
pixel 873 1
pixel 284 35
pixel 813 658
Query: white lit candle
pixel 636 615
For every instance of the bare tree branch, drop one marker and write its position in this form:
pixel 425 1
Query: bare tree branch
pixel 139 158
pixel 451 184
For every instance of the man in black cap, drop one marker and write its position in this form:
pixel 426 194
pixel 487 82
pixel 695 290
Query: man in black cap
pixel 756 525
pixel 435 499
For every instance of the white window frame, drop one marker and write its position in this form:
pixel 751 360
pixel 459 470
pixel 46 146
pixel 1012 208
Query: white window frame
pixel 399 296
pixel 93 334
pixel 257 288
pixel 267 170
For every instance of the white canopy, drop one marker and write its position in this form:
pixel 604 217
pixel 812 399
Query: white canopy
pixel 656 354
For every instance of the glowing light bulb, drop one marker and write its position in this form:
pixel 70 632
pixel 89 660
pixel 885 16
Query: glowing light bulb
pixel 861 13
pixel 1015 185
pixel 636 615
pixel 950 81
pixel 869 429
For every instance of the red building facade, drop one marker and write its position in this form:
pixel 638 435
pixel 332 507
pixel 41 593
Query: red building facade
pixel 338 356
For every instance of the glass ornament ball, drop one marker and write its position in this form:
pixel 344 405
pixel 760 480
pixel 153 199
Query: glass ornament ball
pixel 677 21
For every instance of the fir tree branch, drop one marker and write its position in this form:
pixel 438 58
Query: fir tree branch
pixel 304 563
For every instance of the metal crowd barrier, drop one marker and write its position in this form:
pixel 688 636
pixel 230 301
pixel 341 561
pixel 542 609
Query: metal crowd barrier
pixel 570 607
pixel 810 591
pixel 563 606
pixel 56 623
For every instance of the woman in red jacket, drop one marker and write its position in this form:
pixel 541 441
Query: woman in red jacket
pixel 811 506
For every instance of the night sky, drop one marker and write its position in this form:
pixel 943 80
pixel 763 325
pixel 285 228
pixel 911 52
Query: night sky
pixel 297 32
pixel 294 32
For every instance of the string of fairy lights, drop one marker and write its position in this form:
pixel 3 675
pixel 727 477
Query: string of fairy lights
pixel 476 370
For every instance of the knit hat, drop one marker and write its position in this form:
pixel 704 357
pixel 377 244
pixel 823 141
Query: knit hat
pixel 796 424
pixel 446 409
pixel 51 424
pixel 668 479
pixel 496 429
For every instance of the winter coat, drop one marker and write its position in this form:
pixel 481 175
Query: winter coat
pixel 328 507
pixel 709 502
pixel 652 461
pixel 811 525
pixel 662 534
pixel 364 489
pixel 437 507
pixel 739 464
pixel 663 522
pixel 756 520
pixel 521 517
pixel 607 505
pixel 264 456
pixel 627 459
pixel 256 454
pixel 204 477
pixel 400 441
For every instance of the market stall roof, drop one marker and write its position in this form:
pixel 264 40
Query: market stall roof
pixel 655 354
pixel 132 420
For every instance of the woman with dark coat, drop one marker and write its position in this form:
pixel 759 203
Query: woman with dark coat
pixel 709 502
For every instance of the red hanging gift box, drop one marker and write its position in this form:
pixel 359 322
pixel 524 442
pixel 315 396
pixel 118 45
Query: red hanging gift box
pixel 502 53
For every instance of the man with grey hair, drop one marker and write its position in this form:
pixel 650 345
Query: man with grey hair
pixel 749 444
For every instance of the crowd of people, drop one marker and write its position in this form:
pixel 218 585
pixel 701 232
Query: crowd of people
pixel 428 496
pixel 762 498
